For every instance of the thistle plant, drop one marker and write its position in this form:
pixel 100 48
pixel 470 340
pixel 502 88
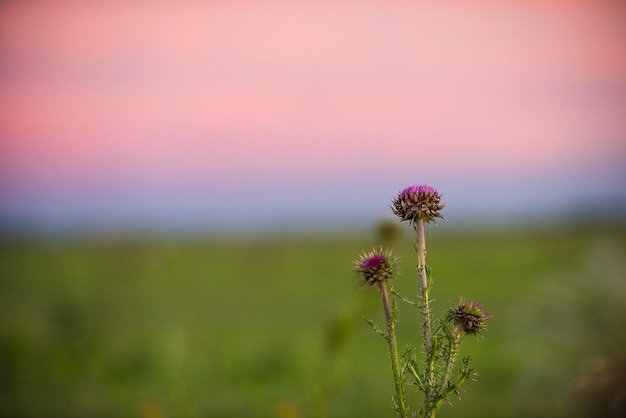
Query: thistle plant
pixel 437 376
pixel 376 267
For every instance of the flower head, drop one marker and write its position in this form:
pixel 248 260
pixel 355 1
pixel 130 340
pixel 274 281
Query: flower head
pixel 469 317
pixel 418 202
pixel 376 265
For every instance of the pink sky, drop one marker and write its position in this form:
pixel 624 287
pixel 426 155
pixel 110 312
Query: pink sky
pixel 215 95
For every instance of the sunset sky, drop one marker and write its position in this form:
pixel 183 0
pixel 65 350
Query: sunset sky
pixel 164 114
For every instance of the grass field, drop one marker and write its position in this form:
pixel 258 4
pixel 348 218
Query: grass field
pixel 274 327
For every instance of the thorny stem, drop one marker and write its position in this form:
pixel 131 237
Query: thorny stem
pixel 428 336
pixel 455 342
pixel 393 351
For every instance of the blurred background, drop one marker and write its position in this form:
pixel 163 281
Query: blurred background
pixel 183 188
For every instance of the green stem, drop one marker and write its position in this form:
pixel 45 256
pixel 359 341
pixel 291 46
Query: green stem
pixel 429 401
pixel 393 351
pixel 423 282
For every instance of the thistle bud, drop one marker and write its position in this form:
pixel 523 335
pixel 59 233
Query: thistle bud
pixel 469 317
pixel 376 265
pixel 418 202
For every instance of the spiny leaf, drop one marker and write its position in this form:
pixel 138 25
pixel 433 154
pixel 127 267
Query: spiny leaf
pixel 377 329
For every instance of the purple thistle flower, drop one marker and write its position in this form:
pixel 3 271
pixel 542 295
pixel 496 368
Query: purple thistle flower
pixel 376 261
pixel 376 265
pixel 418 202
pixel 422 188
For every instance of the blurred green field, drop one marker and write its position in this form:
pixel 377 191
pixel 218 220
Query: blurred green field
pixel 274 327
